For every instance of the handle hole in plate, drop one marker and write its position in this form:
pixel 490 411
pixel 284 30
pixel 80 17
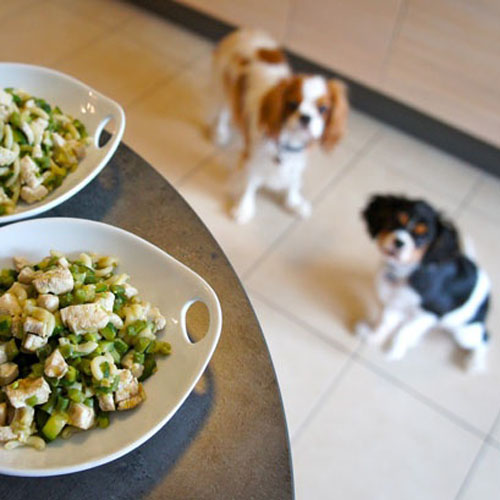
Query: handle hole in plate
pixel 197 321
pixel 105 131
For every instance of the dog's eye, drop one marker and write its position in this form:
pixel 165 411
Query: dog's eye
pixel 403 218
pixel 420 229
pixel 292 105
pixel 322 109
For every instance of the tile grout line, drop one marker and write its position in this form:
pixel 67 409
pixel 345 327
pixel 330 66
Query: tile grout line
pixel 449 415
pixel 320 402
pixel 315 201
pixel 477 459
pixel 303 324
pixel 464 204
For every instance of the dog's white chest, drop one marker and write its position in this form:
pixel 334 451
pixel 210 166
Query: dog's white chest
pixel 395 292
pixel 279 173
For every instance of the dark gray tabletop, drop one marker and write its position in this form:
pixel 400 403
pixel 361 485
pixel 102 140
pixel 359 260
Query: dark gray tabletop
pixel 228 440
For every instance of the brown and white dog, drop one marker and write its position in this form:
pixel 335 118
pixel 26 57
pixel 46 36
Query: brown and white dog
pixel 280 116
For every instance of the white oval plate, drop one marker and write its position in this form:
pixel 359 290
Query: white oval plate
pixel 161 280
pixel 93 109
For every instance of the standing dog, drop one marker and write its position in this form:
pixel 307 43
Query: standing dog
pixel 279 115
pixel 426 280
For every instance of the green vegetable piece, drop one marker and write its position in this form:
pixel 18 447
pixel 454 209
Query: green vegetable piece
pixel 54 425
pixel 41 418
pixel 163 348
pixel 65 300
pixel 62 404
pixel 76 395
pixel 42 103
pixel 15 119
pixel 44 352
pixel 149 367
pixel 43 162
pixel 66 350
pixel 84 294
pixel 85 366
pixel 103 420
pixel 37 369
pixel 19 137
pixel 139 357
pixel 32 401
pixel 89 402
pixel 5 326
pixel 142 344
pixel 136 327
pixel 51 403
pixel 71 374
pixel 7 278
pixel 108 332
pixel 11 349
pixel 101 287
pixel 121 346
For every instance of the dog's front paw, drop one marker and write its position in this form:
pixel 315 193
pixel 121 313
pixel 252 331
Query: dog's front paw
pixel 300 207
pixel 395 353
pixel 476 361
pixel 363 330
pixel 243 213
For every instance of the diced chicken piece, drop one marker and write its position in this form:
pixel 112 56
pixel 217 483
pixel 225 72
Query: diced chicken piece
pixel 40 322
pixel 37 149
pixel 48 301
pixel 9 304
pixel 106 300
pixel 128 362
pixel 27 275
pixel 56 281
pixel 22 423
pixel 6 99
pixel 116 321
pixel 29 171
pixel 81 416
pixel 8 373
pixel 17 327
pixel 3 414
pixel 38 126
pixel 84 317
pixel 55 365
pixel 128 386
pixel 32 325
pixel 3 352
pixel 3 197
pixel 31 195
pixel 20 291
pixel 26 388
pixel 106 402
pixel 58 140
pixel 130 291
pixel 132 402
pixel 26 129
pixel 33 342
pixel 6 434
pixel 158 320
pixel 63 262
pixel 7 156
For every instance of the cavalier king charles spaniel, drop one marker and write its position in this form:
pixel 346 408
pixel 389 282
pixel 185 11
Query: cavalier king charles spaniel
pixel 280 116
pixel 426 280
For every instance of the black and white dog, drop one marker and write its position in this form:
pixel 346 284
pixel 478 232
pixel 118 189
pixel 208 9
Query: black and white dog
pixel 426 282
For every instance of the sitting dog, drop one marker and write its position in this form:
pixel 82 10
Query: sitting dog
pixel 426 281
pixel 279 115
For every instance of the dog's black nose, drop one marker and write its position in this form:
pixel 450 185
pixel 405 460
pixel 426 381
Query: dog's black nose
pixel 305 119
pixel 398 243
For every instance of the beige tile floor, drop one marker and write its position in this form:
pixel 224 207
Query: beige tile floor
pixel 360 427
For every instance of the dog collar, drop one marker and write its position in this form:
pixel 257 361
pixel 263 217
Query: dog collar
pixel 288 148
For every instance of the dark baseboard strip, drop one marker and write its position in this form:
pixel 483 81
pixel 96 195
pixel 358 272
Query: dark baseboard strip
pixel 381 107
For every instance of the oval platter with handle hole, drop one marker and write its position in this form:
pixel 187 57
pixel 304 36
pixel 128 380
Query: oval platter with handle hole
pixel 93 109
pixel 161 280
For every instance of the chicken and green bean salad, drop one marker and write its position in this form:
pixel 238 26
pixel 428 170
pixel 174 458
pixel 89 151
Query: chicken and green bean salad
pixel 76 343
pixel 39 146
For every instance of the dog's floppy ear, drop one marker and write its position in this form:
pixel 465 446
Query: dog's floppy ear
pixel 445 244
pixel 377 212
pixel 272 109
pixel 337 116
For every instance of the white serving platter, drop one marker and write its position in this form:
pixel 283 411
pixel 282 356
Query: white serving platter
pixel 161 280
pixel 93 109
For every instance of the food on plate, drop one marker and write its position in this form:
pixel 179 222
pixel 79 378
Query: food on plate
pixel 76 343
pixel 39 146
